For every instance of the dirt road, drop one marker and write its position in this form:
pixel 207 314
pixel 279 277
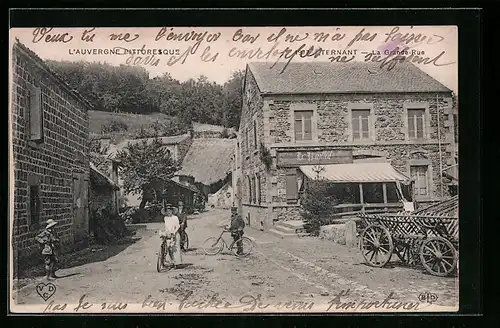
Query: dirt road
pixel 280 273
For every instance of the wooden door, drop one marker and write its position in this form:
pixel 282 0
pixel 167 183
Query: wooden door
pixel 80 209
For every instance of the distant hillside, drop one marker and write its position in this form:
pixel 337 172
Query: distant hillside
pixel 111 125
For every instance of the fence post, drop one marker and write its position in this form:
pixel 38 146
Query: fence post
pixel 350 233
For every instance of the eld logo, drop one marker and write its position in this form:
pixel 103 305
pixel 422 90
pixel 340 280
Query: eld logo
pixel 427 297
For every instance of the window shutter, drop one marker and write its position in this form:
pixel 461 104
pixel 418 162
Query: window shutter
pixel 36 114
pixel 291 185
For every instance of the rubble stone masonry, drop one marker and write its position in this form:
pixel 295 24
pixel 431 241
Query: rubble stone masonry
pixel 51 163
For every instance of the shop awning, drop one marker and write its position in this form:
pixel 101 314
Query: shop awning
pixel 355 172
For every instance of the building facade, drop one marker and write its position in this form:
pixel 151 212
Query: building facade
pixel 322 114
pixel 50 147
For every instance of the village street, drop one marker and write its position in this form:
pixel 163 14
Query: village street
pixel 304 269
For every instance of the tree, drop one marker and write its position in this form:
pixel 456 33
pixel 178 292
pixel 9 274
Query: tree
pixel 233 99
pixel 146 167
pixel 319 202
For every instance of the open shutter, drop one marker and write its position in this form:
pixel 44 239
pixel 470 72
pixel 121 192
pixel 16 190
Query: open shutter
pixel 36 115
pixel 291 185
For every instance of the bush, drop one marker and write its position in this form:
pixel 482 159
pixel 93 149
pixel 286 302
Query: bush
pixel 318 204
pixel 114 126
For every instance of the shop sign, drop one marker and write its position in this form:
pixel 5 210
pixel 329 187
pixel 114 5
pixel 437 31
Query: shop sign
pixel 314 157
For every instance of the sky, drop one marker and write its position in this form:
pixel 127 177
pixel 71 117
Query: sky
pixel 216 52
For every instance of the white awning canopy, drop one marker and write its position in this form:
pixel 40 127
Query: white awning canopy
pixel 354 173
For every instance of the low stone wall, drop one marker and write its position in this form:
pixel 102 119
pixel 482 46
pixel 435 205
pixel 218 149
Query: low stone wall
pixel 343 234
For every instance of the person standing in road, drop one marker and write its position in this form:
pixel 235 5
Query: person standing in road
pixel 236 228
pixel 172 231
pixel 47 238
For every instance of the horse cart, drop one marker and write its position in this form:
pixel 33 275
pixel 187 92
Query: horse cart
pixel 423 238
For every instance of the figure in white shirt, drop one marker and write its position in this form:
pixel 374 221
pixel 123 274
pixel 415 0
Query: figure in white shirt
pixel 172 232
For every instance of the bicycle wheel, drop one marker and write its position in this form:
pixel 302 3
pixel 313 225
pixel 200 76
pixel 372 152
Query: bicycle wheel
pixel 213 246
pixel 247 247
pixel 159 262
pixel 186 241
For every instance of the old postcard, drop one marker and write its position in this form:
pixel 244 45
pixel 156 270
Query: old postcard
pixel 234 169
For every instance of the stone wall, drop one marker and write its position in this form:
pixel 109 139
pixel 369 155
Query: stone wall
pixel 251 164
pixel 255 216
pixel 388 116
pixel 49 164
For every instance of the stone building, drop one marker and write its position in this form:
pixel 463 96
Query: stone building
pixel 49 143
pixel 311 116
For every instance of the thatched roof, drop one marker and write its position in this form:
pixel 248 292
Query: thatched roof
pixel 172 140
pixel 209 160
pixel 97 177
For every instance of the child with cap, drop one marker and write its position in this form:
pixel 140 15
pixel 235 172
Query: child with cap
pixel 48 240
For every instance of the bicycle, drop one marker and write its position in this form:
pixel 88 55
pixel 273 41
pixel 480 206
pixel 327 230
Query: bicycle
pixel 186 241
pixel 213 245
pixel 166 248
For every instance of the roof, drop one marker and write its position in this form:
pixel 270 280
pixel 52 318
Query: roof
pixel 102 178
pixel 326 77
pixel 185 186
pixel 355 172
pixel 172 140
pixel 30 53
pixel 448 207
pixel 208 160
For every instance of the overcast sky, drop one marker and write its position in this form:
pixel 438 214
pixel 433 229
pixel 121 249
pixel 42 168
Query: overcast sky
pixel 441 42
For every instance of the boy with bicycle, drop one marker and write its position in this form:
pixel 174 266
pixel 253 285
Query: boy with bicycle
pixel 236 228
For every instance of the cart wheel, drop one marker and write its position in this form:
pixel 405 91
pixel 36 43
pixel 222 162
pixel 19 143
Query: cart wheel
pixel 438 256
pixel 376 245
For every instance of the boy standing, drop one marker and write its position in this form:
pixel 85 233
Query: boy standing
pixel 48 240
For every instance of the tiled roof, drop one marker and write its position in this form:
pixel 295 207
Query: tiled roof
pixel 208 160
pixel 352 77
pixel 101 178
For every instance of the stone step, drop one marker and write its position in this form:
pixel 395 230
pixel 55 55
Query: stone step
pixel 292 224
pixel 282 234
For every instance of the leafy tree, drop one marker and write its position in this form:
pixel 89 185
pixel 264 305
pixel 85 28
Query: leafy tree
pixel 146 167
pixel 318 203
pixel 233 100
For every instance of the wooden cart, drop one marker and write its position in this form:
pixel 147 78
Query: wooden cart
pixel 424 239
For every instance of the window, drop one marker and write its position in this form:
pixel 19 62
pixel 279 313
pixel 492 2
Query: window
pixel 35 115
pixel 373 193
pixel 291 186
pixel 254 192
pixel 360 123
pixel 303 125
pixel 247 141
pixel 419 176
pixel 416 123
pixel 35 205
pixel 249 190
pixel 254 135
pixel 237 155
